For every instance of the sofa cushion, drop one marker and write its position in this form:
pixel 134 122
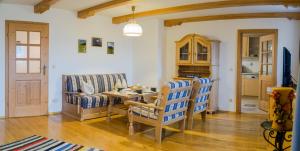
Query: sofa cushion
pixel 100 82
pixel 87 88
pixel 91 101
pixel 145 111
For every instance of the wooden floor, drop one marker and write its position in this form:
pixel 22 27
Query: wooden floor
pixel 222 131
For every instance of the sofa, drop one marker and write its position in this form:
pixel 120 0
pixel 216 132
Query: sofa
pixel 82 106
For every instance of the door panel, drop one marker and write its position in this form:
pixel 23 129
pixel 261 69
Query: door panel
pixel 27 72
pixel 266 69
pixel 21 93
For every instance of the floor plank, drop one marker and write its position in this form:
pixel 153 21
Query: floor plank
pixel 222 131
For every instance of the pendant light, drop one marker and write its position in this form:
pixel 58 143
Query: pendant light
pixel 132 29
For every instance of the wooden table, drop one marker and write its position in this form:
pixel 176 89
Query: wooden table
pixel 122 108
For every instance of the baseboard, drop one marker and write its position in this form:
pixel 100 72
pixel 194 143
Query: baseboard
pixel 54 113
pixel 223 111
pixel 50 113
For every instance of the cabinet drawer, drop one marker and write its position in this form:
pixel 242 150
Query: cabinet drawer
pixel 250 87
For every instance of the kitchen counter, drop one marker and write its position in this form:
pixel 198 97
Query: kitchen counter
pixel 250 73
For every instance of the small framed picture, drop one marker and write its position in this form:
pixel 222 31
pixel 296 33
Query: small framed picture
pixel 81 46
pixel 96 42
pixel 110 47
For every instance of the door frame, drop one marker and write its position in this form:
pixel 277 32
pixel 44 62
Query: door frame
pixel 238 96
pixel 7 61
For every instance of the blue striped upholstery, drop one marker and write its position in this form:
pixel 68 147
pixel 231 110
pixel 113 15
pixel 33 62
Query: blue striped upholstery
pixel 100 82
pixel 205 87
pixel 177 95
pixel 91 101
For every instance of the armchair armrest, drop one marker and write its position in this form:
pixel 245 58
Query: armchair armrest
pixel 142 105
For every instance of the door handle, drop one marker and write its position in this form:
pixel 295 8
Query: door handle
pixel 44 69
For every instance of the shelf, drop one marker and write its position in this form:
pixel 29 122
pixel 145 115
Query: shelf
pixel 250 58
pixel 265 52
pixel 266 64
pixel 195 65
pixel 195 72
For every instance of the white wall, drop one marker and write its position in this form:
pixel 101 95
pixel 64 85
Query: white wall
pixel 226 32
pixel 147 54
pixel 148 60
pixel 65 30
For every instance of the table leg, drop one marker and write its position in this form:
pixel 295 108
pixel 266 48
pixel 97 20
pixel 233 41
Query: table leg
pixel 109 109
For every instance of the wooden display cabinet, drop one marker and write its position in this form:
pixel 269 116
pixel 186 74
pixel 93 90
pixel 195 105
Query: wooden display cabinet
pixel 197 56
pixel 193 50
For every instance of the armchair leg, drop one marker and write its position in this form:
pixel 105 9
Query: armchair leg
pixel 182 125
pixel 131 128
pixel 203 115
pixel 158 131
pixel 190 123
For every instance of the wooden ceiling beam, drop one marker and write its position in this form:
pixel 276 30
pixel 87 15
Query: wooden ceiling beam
pixel 289 15
pixel 100 7
pixel 43 6
pixel 202 6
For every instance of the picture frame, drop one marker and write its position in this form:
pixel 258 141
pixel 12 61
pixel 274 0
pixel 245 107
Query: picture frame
pixel 81 46
pixel 110 47
pixel 96 42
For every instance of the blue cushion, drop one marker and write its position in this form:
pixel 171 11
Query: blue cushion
pixel 91 101
pixel 177 95
pixel 205 89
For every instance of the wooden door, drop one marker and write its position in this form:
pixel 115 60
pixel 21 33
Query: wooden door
pixel 27 68
pixel 202 51
pixel 184 51
pixel 267 66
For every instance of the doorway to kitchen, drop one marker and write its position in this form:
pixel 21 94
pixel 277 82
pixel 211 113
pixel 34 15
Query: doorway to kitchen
pixel 256 72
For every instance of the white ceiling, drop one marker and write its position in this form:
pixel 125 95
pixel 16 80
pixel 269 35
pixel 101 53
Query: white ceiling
pixel 143 5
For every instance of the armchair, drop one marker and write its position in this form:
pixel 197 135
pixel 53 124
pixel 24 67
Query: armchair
pixel 199 99
pixel 170 107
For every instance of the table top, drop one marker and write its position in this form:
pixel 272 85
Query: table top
pixel 128 94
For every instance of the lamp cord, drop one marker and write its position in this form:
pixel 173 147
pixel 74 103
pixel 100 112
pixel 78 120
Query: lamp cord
pixel 133 9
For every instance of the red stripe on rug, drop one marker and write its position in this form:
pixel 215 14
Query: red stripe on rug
pixel 28 145
pixel 76 148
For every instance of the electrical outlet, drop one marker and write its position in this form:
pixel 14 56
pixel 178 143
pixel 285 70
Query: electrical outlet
pixel 230 100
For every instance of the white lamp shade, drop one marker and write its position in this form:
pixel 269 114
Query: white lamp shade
pixel 132 29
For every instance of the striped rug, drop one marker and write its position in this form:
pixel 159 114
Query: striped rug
pixel 39 143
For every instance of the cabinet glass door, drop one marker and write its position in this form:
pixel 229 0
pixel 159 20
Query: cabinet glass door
pixel 201 52
pixel 184 51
